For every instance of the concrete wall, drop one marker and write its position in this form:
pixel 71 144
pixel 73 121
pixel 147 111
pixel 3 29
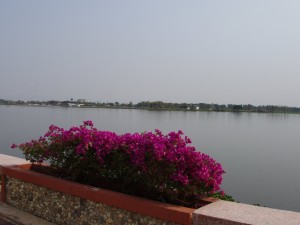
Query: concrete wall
pixel 20 194
pixel 61 208
pixel 65 209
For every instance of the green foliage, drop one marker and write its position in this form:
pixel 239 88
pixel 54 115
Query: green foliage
pixel 223 196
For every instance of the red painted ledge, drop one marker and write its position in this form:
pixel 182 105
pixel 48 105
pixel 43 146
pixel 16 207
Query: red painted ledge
pixel 3 188
pixel 168 212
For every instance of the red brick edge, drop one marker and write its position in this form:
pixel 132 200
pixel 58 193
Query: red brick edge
pixel 3 189
pixel 168 212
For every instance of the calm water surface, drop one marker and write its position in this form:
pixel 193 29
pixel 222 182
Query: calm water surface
pixel 260 152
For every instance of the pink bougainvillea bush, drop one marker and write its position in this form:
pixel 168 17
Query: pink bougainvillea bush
pixel 163 166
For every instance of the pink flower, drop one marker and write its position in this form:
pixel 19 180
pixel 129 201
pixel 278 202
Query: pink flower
pixel 167 161
pixel 88 123
pixel 14 146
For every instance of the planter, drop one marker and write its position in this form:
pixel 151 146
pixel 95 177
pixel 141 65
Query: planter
pixel 65 202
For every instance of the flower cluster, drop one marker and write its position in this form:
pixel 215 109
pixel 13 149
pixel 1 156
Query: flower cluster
pixel 164 163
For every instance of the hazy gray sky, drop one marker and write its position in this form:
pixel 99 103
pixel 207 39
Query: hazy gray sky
pixel 179 51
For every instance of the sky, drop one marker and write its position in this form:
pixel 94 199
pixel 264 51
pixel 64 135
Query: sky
pixel 225 52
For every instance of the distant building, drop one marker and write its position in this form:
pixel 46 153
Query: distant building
pixel 71 104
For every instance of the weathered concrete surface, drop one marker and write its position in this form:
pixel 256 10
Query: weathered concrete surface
pixel 12 215
pixel 230 213
pixel 7 160
pixel 16 216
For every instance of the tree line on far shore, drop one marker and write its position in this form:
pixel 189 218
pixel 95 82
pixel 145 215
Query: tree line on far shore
pixel 159 105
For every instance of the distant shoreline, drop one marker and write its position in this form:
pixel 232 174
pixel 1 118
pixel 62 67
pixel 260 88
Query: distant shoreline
pixel 149 109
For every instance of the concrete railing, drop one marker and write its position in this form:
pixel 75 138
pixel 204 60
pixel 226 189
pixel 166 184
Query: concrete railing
pixel 137 211
pixel 224 213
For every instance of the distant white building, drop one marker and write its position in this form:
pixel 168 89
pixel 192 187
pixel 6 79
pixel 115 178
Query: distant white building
pixel 75 105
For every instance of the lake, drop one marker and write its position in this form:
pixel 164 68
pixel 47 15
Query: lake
pixel 259 152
